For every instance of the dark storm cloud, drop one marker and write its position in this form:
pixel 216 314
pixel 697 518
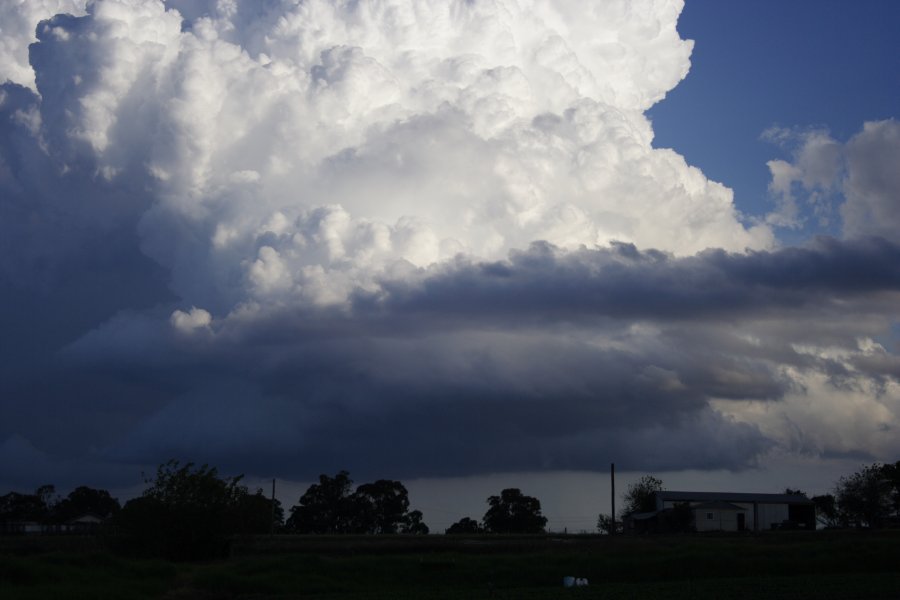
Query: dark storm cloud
pixel 555 361
pixel 69 261
pixel 622 282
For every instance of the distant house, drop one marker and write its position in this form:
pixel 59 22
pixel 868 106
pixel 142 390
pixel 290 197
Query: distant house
pixel 86 523
pixel 21 527
pixel 725 511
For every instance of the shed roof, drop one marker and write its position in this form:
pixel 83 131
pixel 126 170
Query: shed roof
pixel 667 496
pixel 717 505
pixel 88 517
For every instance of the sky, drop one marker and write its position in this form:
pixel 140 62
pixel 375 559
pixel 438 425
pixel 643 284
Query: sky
pixel 467 245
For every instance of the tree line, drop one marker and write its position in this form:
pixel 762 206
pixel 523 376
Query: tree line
pixel 44 507
pixel 188 511
pixel 191 512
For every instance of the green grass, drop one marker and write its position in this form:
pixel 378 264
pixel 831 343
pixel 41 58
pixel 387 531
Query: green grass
pixel 797 566
pixel 87 576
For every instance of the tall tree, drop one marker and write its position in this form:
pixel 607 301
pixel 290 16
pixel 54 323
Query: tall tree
pixel 514 512
pixel 866 497
pixel 187 512
pixel 382 505
pixel 327 507
pixel 641 495
pixel 331 507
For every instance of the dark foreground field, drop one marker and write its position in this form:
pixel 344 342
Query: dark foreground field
pixel 787 565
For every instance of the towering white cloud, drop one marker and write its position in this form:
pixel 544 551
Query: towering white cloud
pixel 292 152
pixel 18 18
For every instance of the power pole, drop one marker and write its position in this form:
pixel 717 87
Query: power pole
pixel 612 496
pixel 272 520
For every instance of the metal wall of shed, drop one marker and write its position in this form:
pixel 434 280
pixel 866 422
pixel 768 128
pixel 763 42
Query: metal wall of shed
pixel 770 514
pixel 723 520
pixel 748 515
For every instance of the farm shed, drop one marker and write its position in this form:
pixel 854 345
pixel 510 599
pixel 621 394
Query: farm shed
pixel 738 511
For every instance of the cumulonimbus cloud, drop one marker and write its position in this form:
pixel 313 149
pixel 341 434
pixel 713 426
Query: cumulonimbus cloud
pixel 408 234
pixel 292 150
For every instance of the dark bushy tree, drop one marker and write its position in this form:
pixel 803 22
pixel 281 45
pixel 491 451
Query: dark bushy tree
pixel 605 524
pixel 22 507
pixel 867 497
pixel 641 495
pixel 255 514
pixel 465 526
pixel 891 473
pixel 827 513
pixel 189 513
pixel 383 506
pixel 412 524
pixel 37 507
pixel 331 506
pixel 327 507
pixel 85 500
pixel 514 512
pixel 678 519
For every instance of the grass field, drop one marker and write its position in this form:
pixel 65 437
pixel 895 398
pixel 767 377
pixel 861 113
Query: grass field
pixel 832 565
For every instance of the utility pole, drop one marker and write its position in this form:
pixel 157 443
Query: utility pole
pixel 272 520
pixel 612 496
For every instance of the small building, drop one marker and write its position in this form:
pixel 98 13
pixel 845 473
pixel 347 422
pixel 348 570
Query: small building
pixel 739 511
pixel 86 523
pixel 21 527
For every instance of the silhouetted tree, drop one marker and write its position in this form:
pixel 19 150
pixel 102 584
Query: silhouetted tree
pixel 412 524
pixel 331 507
pixel 678 519
pixel 186 513
pixel 85 500
pixel 514 512
pixel 826 510
pixel 254 514
pixel 641 495
pixel 465 526
pixel 605 524
pixel 383 505
pixel 866 497
pixel 327 507
pixel 891 473
pixel 36 507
